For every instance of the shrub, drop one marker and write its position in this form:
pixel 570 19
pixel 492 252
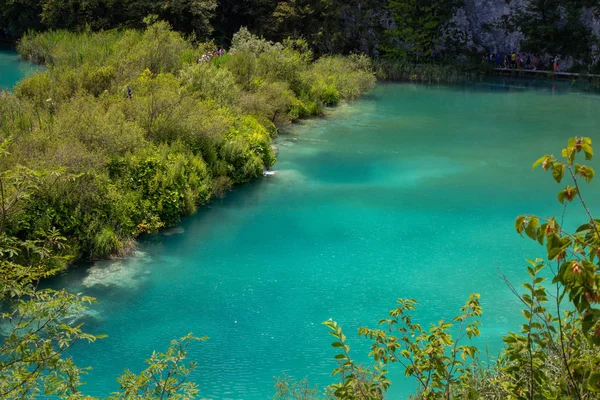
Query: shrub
pixel 209 82
pixel 140 160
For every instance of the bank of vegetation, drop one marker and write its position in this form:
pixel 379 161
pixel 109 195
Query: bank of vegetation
pixel 122 134
pixel 108 166
pixel 127 130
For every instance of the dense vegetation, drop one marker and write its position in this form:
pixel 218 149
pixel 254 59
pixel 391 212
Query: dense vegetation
pixel 556 27
pixel 423 30
pixel 125 132
pixel 107 167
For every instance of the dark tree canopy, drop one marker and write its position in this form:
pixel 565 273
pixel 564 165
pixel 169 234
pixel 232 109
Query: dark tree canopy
pixel 555 27
pixel 417 30
pixel 190 16
pixel 421 27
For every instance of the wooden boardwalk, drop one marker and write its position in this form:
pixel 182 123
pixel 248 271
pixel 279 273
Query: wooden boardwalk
pixel 547 73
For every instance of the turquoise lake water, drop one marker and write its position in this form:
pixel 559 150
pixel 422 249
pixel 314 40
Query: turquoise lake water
pixel 12 68
pixel 410 192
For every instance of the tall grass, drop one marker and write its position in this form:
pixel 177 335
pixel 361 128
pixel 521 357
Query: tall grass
pixel 68 48
pixel 404 70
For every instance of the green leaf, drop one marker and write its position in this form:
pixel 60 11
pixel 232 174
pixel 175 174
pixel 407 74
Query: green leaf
pixel 520 224
pixel 531 229
pixel 594 382
pixel 558 172
pixel 540 161
pixel 561 196
pixel 541 234
pixel 588 150
pixel 589 321
pixel 589 174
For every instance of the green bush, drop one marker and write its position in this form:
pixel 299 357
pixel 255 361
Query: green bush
pixel 128 165
pixel 209 82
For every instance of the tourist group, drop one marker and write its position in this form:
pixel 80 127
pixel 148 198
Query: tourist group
pixel 517 61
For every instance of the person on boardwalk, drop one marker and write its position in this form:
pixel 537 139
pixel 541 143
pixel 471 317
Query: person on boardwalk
pixel 498 60
pixel 534 62
pixel 556 65
pixel 506 61
pixel 513 60
pixel 519 61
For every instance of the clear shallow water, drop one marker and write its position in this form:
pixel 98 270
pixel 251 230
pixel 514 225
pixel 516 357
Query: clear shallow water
pixel 411 192
pixel 12 68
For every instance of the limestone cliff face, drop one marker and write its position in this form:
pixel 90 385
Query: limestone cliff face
pixel 478 19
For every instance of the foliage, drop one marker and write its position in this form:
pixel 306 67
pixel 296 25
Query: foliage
pixel 416 30
pixel 330 26
pixel 123 166
pixel 554 27
pixel 405 70
pixel 165 377
pixel 32 362
pixel 575 254
pixel 421 27
pixel 39 326
pixel 287 389
pixel 433 357
pixel 192 16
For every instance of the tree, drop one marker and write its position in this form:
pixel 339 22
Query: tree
pixel 19 16
pixel 187 15
pixel 331 26
pixel 362 25
pixel 554 27
pixel 421 27
pixel 318 22
pixel 76 14
pixel 231 15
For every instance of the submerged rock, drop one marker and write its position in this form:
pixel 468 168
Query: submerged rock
pixel 126 273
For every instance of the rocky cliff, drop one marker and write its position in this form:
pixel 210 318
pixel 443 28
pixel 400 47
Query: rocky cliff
pixel 479 19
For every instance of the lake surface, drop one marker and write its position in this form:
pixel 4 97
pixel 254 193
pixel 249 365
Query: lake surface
pixel 12 68
pixel 410 192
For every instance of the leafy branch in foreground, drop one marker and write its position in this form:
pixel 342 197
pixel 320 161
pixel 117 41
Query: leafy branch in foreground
pixel 434 357
pixel 39 326
pixel 165 377
pixel 577 259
